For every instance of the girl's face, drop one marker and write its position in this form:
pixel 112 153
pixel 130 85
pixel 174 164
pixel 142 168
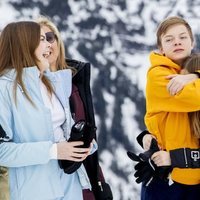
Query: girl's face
pixel 176 43
pixel 54 49
pixel 42 51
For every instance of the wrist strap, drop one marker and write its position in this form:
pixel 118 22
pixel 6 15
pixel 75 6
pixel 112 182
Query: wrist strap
pixel 197 73
pixel 140 137
pixel 185 158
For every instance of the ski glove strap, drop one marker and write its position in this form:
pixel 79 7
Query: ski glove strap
pixel 185 158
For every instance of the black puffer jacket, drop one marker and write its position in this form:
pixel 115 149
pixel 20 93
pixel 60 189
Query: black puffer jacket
pixel 82 81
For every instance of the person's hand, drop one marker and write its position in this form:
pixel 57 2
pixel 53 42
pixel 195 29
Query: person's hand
pixel 43 63
pixel 161 158
pixel 178 81
pixel 147 141
pixel 42 59
pixel 81 140
pixel 71 151
pixel 145 168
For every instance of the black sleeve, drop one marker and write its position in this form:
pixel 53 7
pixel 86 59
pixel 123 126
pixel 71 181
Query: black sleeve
pixel 185 158
pixel 197 73
pixel 3 136
pixel 140 137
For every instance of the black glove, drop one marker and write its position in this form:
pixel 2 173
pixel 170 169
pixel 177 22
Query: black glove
pixel 3 136
pixel 104 191
pixel 89 133
pixel 80 132
pixel 146 170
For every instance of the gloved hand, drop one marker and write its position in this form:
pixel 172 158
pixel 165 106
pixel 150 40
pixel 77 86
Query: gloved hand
pixel 80 132
pixel 89 133
pixel 77 131
pixel 146 170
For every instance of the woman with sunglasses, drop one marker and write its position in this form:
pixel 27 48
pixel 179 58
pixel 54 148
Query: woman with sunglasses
pixel 35 118
pixel 81 99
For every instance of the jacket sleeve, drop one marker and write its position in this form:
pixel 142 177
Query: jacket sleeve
pixel 18 154
pixel 185 158
pixel 24 154
pixel 187 100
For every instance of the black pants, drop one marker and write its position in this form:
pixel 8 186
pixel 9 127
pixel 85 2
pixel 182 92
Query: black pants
pixel 160 190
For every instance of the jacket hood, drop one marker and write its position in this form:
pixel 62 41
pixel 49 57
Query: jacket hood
pixel 157 59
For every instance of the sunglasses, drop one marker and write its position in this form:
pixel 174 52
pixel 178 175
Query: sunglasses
pixel 50 37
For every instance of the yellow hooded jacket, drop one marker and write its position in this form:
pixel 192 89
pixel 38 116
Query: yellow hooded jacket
pixel 167 116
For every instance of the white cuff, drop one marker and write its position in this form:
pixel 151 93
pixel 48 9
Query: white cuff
pixel 94 146
pixel 53 151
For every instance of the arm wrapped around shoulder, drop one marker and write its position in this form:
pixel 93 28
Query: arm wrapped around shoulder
pixel 185 158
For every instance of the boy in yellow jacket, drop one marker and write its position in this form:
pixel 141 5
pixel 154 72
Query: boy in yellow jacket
pixel 167 110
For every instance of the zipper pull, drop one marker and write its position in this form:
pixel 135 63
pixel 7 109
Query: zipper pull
pixel 20 88
pixel 99 183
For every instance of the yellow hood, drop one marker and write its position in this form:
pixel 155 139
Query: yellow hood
pixel 157 59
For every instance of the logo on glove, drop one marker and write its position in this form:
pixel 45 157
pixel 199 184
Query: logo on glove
pixel 195 155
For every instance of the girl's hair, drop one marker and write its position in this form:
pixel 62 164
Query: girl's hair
pixel 18 42
pixel 60 63
pixel 167 23
pixel 191 65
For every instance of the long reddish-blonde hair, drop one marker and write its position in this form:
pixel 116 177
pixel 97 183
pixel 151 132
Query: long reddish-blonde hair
pixel 192 64
pixel 18 42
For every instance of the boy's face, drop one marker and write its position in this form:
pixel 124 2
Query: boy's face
pixel 176 43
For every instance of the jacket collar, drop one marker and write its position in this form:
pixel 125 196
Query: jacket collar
pixel 30 71
pixel 157 59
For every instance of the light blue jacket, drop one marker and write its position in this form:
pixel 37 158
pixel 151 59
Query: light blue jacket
pixel 32 174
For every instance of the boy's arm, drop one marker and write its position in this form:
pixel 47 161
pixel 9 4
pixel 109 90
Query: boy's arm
pixel 187 100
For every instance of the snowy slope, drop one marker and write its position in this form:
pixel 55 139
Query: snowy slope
pixel 115 36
